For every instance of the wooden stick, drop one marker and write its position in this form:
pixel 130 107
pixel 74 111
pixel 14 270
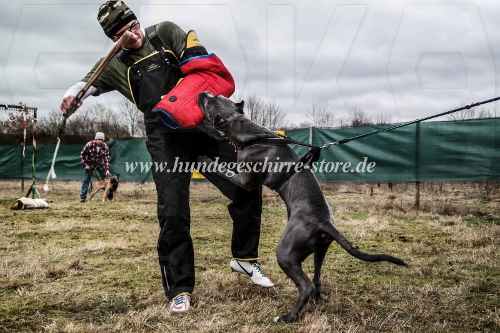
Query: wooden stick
pixel 74 104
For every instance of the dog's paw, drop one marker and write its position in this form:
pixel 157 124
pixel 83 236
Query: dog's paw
pixel 288 318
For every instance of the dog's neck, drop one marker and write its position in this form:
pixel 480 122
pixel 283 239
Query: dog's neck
pixel 239 145
pixel 244 132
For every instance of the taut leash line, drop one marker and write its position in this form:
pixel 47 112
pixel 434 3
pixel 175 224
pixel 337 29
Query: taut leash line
pixel 339 142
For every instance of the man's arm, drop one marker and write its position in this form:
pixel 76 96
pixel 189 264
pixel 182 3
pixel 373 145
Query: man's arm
pixel 84 155
pixel 75 89
pixel 172 36
pixel 106 158
pixel 70 94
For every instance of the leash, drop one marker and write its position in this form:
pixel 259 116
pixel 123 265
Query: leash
pixel 314 152
pixel 284 140
pixel 305 162
pixel 281 140
pixel 390 128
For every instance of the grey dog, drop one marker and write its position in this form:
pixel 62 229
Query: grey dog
pixel 310 226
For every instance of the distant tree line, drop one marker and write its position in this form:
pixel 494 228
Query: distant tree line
pixel 270 115
pixel 123 123
pixel 472 113
pixel 320 115
pixel 126 121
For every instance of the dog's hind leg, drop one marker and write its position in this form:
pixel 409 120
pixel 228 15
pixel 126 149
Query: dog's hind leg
pixel 319 257
pixel 290 262
pixel 93 193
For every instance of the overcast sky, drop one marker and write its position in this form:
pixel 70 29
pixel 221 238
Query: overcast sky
pixel 406 59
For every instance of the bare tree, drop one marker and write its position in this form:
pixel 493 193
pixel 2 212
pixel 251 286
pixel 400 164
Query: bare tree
pixel 15 126
pixel 268 115
pixel 382 119
pixel 50 123
pixel 97 118
pixel 472 113
pixel 274 117
pixel 357 117
pixel 302 124
pixel 320 116
pixel 127 121
pixel 133 118
pixel 108 121
pixel 254 109
pixel 82 122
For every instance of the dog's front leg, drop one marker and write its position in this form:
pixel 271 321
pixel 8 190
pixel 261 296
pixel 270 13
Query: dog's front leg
pixel 243 179
pixel 209 165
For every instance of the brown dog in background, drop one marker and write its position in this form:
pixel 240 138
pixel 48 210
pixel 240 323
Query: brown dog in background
pixel 107 184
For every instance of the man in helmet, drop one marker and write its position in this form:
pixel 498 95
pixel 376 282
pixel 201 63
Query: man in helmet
pixel 145 70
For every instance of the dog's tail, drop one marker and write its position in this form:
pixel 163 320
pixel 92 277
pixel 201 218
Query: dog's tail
pixel 352 250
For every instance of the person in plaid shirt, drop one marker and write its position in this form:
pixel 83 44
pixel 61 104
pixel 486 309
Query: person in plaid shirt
pixel 94 156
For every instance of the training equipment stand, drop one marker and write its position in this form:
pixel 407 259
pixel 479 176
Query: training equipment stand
pixel 15 112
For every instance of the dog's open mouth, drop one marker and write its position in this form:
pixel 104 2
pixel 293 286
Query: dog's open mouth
pixel 203 99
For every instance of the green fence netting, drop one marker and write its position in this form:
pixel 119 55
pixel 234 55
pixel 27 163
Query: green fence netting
pixel 427 152
pixel 450 151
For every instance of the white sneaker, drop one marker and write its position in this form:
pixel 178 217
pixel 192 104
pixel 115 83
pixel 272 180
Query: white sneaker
pixel 253 271
pixel 180 303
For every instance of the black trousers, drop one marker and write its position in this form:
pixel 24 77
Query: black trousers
pixel 175 246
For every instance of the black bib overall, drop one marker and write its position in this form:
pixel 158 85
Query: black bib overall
pixel 151 77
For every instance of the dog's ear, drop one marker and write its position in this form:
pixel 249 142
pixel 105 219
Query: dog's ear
pixel 240 106
pixel 220 123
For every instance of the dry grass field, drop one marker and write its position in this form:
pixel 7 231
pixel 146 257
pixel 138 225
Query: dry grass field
pixel 92 267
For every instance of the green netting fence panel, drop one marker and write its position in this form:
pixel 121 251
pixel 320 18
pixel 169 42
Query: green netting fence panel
pixel 458 151
pixel 130 159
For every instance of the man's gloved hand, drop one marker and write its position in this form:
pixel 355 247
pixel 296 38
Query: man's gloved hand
pixel 193 46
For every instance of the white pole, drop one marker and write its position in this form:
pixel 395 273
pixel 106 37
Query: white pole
pixel 52 172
